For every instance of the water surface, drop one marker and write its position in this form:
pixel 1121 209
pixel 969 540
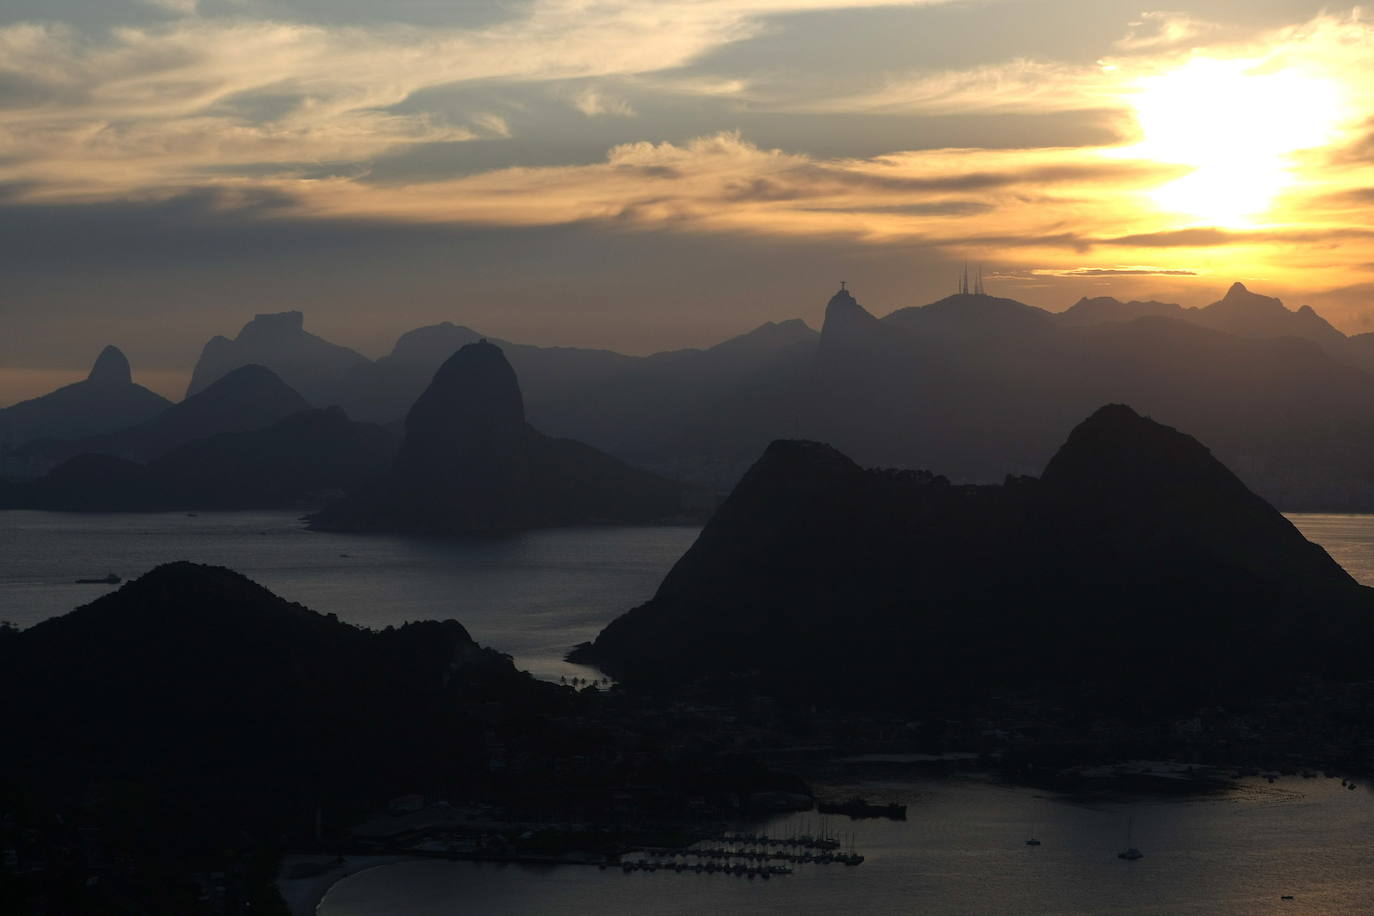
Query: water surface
pixel 962 851
pixel 534 594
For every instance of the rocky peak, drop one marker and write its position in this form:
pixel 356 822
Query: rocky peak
pixel 1249 314
pixel 476 385
pixel 796 461
pixel 273 325
pixel 111 368
pixel 844 315
pixel 470 421
pixel 1117 450
pixel 1149 487
pixel 843 302
pixel 1238 297
pixel 249 385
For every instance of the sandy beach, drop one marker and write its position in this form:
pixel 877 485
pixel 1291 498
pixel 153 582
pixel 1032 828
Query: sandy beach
pixel 304 895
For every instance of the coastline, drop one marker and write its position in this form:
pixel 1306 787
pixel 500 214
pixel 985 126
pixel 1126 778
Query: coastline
pixel 303 896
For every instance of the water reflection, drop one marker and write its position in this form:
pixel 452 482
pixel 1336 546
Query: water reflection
pixel 963 850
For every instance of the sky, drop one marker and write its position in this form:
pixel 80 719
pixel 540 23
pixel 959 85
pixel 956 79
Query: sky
pixel 649 174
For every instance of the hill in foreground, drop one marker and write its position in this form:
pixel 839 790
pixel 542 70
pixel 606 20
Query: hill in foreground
pixel 193 712
pixel 1136 573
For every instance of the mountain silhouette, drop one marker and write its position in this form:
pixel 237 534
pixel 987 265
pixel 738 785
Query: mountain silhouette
pixel 972 315
pixel 1240 312
pixel 105 401
pixel 1104 309
pixel 1138 569
pixel 975 384
pixel 301 460
pixel 248 398
pixel 111 368
pixel 1248 314
pixel 470 463
pixel 193 711
pixel 309 364
pixel 960 393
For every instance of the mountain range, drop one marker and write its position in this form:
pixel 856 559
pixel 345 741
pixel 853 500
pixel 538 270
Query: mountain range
pixel 979 385
pixel 1137 574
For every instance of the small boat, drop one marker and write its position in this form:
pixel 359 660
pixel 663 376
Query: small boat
pixel 1130 853
pixel 1286 897
pixel 1030 837
pixel 110 579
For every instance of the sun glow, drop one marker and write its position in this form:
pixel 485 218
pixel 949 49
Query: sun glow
pixel 1239 125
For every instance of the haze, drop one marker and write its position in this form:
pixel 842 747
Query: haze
pixel 645 175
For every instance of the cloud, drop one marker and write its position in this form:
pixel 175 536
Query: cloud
pixel 150 108
pixel 491 125
pixel 1114 272
pixel 1157 43
pixel 244 109
pixel 722 183
pixel 1159 29
pixel 1013 86
pixel 593 103
pixel 182 7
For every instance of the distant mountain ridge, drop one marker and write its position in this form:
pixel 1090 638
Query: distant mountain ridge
pixel 248 398
pixel 470 463
pixel 974 383
pixel 107 400
pixel 309 364
pixel 978 386
pixel 1240 312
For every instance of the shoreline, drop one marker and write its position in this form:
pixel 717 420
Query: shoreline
pixel 303 896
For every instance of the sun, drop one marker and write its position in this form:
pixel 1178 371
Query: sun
pixel 1238 124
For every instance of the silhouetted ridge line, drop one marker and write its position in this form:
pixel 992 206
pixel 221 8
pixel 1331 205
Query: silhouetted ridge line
pixel 977 385
pixel 106 400
pixel 111 368
pixel 1139 567
pixel 193 711
pixel 311 365
pixel 470 463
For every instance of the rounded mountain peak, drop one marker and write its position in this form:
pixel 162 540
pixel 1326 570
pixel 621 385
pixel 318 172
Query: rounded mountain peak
pixel 474 394
pixel 1121 455
pixel 842 298
pixel 111 368
pixel 843 313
